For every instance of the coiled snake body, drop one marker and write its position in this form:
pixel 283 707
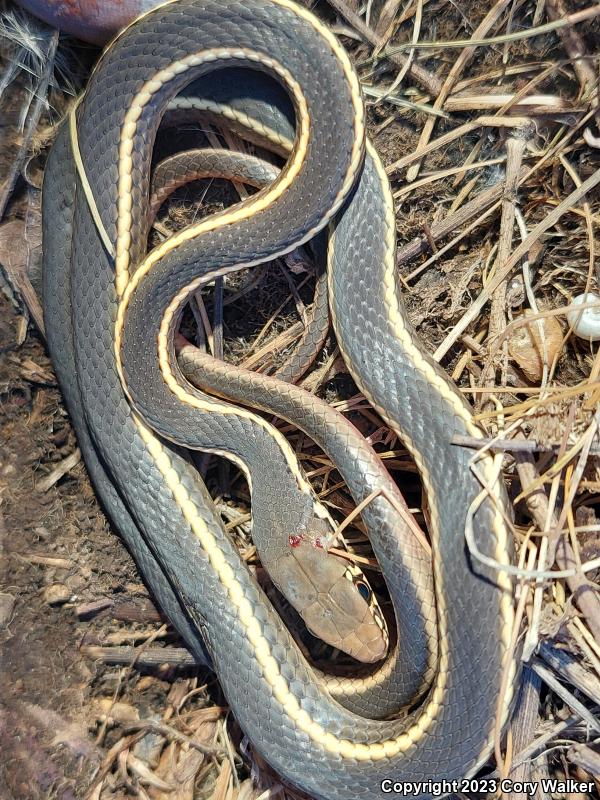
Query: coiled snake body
pixel 111 313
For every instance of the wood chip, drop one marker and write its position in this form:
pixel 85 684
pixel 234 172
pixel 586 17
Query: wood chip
pixel 65 466
pixel 57 594
pixel 152 656
pixel 46 561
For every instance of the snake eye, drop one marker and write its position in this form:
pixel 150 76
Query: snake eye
pixel 364 590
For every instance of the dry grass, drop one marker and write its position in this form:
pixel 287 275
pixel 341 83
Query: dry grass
pixel 487 119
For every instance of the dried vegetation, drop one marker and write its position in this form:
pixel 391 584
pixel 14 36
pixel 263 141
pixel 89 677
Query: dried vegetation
pixel 487 117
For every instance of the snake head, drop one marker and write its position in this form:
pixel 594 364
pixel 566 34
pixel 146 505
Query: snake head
pixel 334 599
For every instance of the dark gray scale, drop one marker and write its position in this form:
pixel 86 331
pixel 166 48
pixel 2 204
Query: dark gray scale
pixel 246 90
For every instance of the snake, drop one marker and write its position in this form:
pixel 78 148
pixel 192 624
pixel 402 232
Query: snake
pixel 191 165
pixel 112 311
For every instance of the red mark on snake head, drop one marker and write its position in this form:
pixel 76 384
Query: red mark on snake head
pixel 318 543
pixel 294 539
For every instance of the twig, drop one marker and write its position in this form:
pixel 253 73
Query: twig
pixel 280 341
pixel 150 657
pixel 583 756
pixel 444 173
pixel 90 610
pixel 387 94
pixel 574 46
pixel 174 735
pixel 458 133
pixel 519 251
pixel 439 230
pixel 13 243
pixel 390 8
pixel 459 64
pixel 584 593
pixel 46 561
pixel 511 445
pixel 61 469
pixel 124 610
pixel 515 149
pixel 515 36
pixel 569 698
pixel 532 105
pixel 570 669
pixel 508 675
pixel 524 724
pixel 422 76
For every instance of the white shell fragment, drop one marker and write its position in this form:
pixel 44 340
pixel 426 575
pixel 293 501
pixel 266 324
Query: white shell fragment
pixel 586 323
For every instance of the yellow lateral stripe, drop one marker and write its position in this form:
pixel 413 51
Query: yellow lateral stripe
pixel 228 112
pixel 454 399
pixel 243 211
pixel 215 406
pixel 397 320
pixel 85 184
pixel 124 286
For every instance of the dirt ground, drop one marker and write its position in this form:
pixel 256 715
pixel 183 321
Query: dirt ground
pixel 58 554
pixel 56 545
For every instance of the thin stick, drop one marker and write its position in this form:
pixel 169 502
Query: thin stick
pixel 459 64
pixel 584 592
pixel 171 733
pixel 422 76
pixel 511 445
pixel 518 253
pixel 459 133
pixel 576 705
pixel 403 512
pixel 151 656
pixel 507 673
pixel 515 150
pixel 565 22
pixel 59 471
pixel 444 173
